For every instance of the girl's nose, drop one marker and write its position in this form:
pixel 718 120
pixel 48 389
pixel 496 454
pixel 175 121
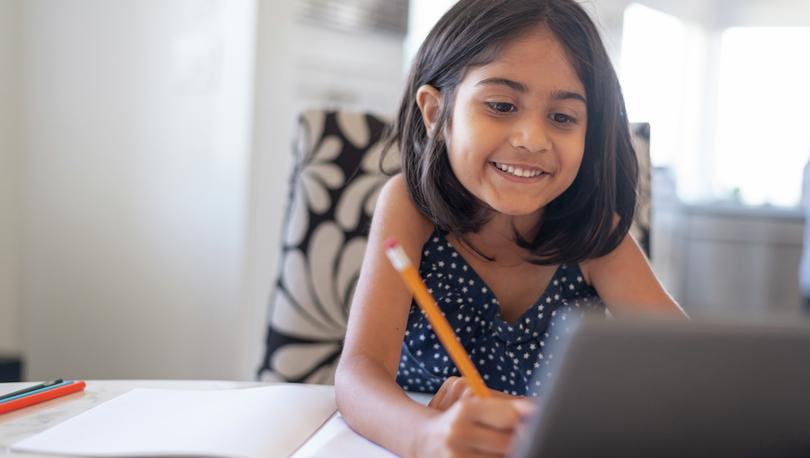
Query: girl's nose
pixel 530 134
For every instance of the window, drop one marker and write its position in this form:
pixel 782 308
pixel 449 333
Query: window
pixel 662 79
pixel 729 111
pixel 763 124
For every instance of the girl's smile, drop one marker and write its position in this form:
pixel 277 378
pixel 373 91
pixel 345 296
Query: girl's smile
pixel 519 173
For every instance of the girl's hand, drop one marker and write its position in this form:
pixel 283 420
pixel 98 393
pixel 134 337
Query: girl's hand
pixel 472 427
pixel 455 388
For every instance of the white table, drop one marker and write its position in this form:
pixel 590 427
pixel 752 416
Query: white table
pixel 334 436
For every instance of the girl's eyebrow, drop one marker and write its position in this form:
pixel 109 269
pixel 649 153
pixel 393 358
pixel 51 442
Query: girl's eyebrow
pixel 522 88
pixel 568 95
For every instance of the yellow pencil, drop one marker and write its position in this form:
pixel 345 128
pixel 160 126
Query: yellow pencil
pixel 428 305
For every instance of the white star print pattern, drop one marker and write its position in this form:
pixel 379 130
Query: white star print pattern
pixel 507 355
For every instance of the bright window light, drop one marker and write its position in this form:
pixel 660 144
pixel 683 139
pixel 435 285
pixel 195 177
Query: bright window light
pixel 763 126
pixel 651 74
pixel 662 78
pixel 422 16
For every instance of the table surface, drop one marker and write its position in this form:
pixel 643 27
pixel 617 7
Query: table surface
pixel 20 424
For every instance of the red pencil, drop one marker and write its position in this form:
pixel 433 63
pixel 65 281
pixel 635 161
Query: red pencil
pixel 42 396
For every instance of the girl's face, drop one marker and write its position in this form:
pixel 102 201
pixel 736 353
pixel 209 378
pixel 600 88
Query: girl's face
pixel 518 127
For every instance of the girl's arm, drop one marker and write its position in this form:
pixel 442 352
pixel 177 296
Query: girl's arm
pixel 367 393
pixel 368 396
pixel 626 282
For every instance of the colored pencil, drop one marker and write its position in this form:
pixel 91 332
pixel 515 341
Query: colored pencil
pixel 30 389
pixel 42 396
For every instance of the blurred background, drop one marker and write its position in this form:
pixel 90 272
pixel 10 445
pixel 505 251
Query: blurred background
pixel 145 154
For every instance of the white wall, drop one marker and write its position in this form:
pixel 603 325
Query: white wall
pixel 271 162
pixel 9 171
pixel 756 13
pixel 134 180
pixel 359 71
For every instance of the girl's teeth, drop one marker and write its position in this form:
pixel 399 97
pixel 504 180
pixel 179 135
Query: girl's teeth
pixel 517 171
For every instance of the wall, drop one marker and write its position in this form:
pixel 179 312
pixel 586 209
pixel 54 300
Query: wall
pixel 9 171
pixel 354 71
pixel 753 13
pixel 271 162
pixel 134 178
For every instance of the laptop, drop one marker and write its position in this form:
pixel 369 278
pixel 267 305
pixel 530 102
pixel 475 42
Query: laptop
pixel 675 389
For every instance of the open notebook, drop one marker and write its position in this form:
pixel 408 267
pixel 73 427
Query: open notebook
pixel 275 420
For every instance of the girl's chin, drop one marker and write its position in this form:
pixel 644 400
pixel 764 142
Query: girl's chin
pixel 518 211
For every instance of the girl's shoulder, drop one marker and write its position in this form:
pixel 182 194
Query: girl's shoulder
pixel 397 216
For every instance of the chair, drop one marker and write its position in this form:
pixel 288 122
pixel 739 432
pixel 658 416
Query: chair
pixel 333 191
pixel 640 136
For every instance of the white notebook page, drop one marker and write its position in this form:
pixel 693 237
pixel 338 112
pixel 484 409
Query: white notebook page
pixel 254 422
pixel 336 440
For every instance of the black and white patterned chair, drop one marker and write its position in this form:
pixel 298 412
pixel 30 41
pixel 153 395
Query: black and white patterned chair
pixel 332 194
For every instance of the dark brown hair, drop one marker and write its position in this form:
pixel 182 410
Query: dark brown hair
pixel 581 222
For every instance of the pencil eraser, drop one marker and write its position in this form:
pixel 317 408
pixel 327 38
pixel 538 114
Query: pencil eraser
pixel 390 242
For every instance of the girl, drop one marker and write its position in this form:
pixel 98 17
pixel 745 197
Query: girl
pixel 516 194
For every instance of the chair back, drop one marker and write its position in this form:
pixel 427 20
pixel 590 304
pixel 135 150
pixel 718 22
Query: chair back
pixel 333 190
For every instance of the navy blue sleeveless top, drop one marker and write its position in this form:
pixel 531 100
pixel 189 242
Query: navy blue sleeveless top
pixel 508 356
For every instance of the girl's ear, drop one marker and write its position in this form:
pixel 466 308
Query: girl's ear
pixel 429 100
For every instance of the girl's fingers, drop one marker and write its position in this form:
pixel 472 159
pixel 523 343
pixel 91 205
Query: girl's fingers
pixel 481 427
pixel 436 400
pixel 474 453
pixel 451 391
pixel 524 407
pixel 459 389
pixel 491 413
pixel 486 441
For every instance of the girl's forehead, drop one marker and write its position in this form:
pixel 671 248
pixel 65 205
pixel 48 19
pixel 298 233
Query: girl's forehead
pixel 536 58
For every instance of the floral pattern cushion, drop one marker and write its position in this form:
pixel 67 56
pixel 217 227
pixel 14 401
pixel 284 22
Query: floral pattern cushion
pixel 332 193
pixel 333 190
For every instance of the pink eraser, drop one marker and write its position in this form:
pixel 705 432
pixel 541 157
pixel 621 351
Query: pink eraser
pixel 390 242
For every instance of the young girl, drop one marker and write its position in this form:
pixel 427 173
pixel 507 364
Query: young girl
pixel 517 190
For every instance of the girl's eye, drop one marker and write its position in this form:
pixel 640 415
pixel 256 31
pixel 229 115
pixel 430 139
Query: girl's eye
pixel 502 107
pixel 562 118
